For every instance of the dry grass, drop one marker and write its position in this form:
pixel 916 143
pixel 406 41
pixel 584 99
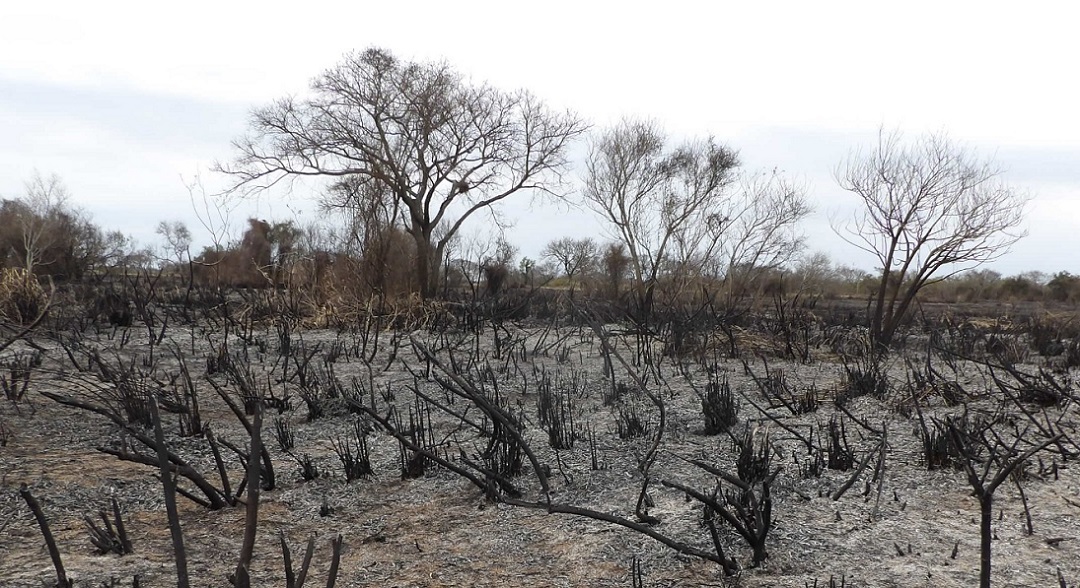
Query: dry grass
pixel 22 299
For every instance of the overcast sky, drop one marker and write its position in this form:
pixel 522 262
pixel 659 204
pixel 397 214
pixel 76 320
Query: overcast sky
pixel 131 102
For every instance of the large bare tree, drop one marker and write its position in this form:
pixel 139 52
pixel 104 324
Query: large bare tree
pixel 418 134
pixel 930 209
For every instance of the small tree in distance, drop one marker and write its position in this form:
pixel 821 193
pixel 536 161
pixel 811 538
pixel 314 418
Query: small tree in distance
pixel 930 209
pixel 45 235
pixel 177 245
pixel 39 221
pixel 573 256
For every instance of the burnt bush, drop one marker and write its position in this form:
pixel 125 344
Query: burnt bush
pixel 631 422
pixel 555 411
pixel 284 434
pixel 495 276
pixel 754 461
pixel 353 453
pixel 718 406
pixel 1047 335
pixel 938 437
pixel 15 374
pixel 1008 349
pixel 778 392
pixel 864 375
pixel 938 450
pixel 110 306
pixel 841 456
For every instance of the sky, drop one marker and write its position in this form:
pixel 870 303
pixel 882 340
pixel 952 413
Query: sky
pixel 131 103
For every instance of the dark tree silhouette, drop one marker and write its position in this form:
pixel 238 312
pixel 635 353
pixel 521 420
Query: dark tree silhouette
pixel 931 209
pixel 419 135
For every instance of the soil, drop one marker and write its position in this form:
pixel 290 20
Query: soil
pixel 910 527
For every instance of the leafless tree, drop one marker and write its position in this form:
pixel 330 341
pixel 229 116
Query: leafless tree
pixel 656 200
pixel 989 460
pixel 417 134
pixel 813 272
pixel 42 233
pixel 44 202
pixel 573 256
pixel 372 233
pixel 930 209
pixel 679 210
pixel 761 229
pixel 177 246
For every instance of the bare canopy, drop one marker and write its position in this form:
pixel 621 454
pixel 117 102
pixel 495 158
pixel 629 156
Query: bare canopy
pixel 573 256
pixel 417 134
pixel 660 203
pixel 684 211
pixel 930 209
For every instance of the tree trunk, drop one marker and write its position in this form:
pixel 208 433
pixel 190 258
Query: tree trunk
pixel 423 268
pixel 427 265
pixel 986 503
pixel 877 314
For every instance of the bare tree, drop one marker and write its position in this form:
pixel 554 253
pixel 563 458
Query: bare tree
pixel 760 232
pixel 374 235
pixel 989 460
pixel 177 246
pixel 657 201
pixel 417 134
pixel 573 256
pixel 813 272
pixel 931 209
pixel 284 239
pixel 44 202
pixel 677 212
pixel 42 233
